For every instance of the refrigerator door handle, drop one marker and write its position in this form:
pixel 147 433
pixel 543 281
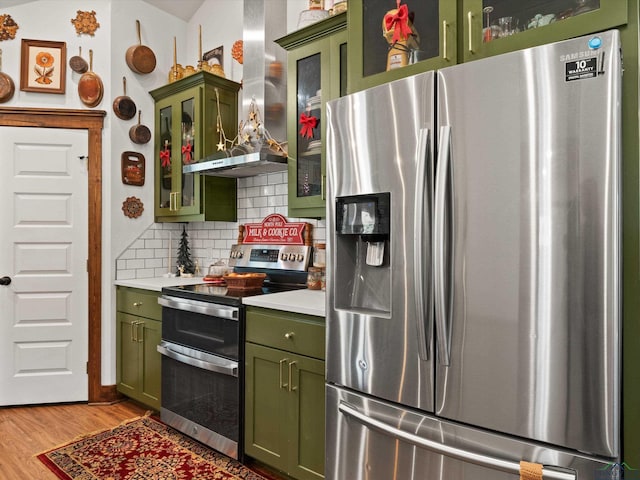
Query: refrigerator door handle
pixel 420 209
pixel 441 272
pixel 447 450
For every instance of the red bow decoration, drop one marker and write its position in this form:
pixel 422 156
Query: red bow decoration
pixel 186 150
pixel 308 124
pixel 165 161
pixel 399 23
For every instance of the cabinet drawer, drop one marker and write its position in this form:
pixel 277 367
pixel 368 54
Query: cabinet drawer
pixel 139 302
pixel 293 332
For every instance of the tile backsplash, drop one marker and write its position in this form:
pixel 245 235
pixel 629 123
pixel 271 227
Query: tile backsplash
pixel 259 196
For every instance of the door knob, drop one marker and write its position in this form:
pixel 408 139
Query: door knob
pixel 5 280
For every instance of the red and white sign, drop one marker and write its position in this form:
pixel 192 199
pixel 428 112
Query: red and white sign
pixel 274 230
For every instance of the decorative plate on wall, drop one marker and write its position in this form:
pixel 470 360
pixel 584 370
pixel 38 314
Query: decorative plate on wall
pixel 132 207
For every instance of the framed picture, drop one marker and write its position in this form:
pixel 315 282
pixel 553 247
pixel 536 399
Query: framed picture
pixel 215 56
pixel 43 66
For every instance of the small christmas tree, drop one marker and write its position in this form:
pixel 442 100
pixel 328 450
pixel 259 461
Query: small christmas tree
pixel 184 256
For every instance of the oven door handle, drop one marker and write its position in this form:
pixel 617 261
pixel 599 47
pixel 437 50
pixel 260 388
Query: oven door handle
pixel 213 364
pixel 194 306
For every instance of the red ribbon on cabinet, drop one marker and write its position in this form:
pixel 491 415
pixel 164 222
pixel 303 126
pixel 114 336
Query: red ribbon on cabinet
pixel 399 23
pixel 186 150
pixel 165 158
pixel 308 124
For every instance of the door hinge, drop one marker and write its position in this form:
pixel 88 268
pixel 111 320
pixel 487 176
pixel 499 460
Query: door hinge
pixel 87 265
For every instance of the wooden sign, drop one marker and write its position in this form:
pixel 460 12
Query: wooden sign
pixel 274 230
pixel 132 168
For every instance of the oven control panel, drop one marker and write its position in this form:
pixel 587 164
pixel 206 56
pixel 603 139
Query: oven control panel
pixel 279 257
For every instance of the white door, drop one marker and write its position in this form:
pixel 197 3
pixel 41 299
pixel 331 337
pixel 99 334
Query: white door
pixel 44 251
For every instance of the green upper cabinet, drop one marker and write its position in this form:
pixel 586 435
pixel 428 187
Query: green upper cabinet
pixel 382 53
pixel 316 65
pixel 185 132
pixel 497 26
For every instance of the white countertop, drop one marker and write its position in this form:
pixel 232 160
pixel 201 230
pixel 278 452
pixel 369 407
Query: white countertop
pixel 309 302
pixel 156 283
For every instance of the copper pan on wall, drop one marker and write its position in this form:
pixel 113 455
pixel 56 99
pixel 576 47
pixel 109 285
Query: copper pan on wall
pixel 90 87
pixel 7 87
pixel 140 58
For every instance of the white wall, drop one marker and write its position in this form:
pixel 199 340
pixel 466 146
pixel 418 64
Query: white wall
pixel 221 22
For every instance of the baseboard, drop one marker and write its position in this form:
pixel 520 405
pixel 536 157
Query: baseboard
pixel 108 395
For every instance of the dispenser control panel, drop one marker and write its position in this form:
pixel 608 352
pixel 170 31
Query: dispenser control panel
pixel 367 214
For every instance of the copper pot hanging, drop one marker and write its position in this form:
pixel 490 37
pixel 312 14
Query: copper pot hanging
pixel 139 133
pixel 123 106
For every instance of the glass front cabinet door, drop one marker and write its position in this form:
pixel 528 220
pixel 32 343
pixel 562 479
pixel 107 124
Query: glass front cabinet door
pixel 498 26
pixel 316 62
pixel 185 126
pixel 391 39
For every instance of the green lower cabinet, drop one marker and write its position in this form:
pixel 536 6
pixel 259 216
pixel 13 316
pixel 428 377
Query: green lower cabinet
pixel 138 363
pixel 285 411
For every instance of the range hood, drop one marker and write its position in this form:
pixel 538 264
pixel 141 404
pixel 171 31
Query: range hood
pixel 264 87
pixel 237 166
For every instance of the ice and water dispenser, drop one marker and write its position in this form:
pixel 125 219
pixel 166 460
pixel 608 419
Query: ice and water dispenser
pixel 363 242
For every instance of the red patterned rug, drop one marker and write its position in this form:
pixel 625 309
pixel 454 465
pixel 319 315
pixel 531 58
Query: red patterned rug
pixel 142 448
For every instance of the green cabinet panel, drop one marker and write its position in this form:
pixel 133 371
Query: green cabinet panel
pixel 492 27
pixel 293 332
pixel 449 32
pixel 266 398
pixel 431 45
pixel 138 333
pixel 316 66
pixel 186 113
pixel 284 391
pixel 143 303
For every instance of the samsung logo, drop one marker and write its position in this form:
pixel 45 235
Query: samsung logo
pixel 577 55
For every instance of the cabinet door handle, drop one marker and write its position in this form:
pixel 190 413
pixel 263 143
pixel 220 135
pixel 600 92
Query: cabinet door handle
pixel 140 333
pixel 281 364
pixel 134 331
pixel 470 25
pixel 137 304
pixel 445 31
pixel 289 335
pixel 323 193
pixel 291 387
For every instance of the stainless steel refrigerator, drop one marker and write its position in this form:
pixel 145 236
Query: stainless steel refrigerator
pixel 473 288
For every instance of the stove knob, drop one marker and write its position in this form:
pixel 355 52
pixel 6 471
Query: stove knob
pixel 300 257
pixel 233 254
pixel 240 254
pixel 292 257
pixel 283 257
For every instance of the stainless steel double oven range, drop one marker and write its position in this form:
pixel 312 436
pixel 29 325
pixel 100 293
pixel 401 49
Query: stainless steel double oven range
pixel 203 345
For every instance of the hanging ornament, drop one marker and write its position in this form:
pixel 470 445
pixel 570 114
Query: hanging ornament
pixel 237 51
pixel 85 22
pixel 8 27
pixel 251 133
pixel 308 123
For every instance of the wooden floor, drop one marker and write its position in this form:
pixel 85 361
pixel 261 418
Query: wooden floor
pixel 28 431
